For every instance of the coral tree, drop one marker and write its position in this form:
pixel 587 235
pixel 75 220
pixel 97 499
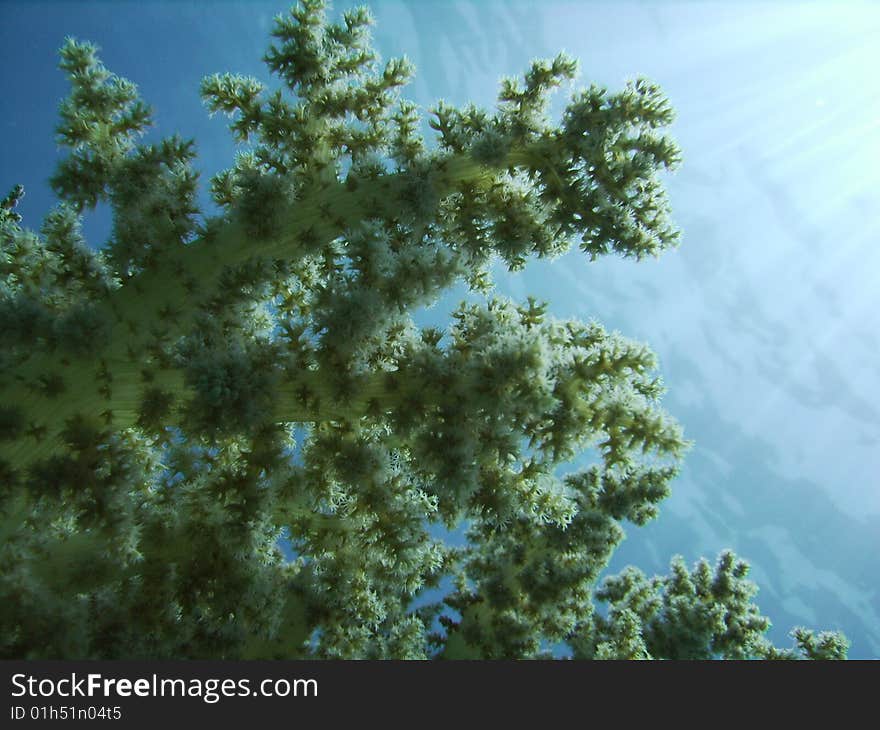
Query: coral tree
pixel 204 385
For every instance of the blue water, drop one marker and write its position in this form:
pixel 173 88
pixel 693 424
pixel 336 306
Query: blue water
pixel 765 320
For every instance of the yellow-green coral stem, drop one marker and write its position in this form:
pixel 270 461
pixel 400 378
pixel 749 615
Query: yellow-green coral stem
pixel 157 306
pixel 122 408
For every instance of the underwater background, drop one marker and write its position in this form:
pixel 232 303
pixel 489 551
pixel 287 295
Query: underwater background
pixel 765 320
